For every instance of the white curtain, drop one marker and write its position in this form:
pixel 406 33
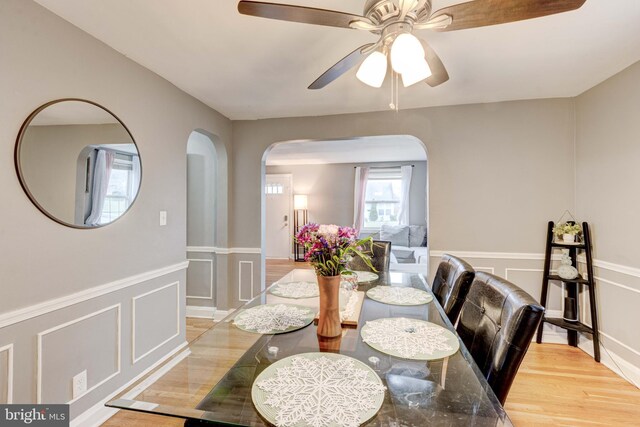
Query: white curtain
pixel 362 174
pixel 101 175
pixel 405 172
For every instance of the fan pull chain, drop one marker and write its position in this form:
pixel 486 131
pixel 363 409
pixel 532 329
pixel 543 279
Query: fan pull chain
pixel 394 92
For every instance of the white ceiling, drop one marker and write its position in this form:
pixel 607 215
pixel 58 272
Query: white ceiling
pixel 247 67
pixel 373 149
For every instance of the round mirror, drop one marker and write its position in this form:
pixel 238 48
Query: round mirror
pixel 78 163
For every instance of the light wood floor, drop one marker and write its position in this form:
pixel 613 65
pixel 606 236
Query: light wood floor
pixel 557 385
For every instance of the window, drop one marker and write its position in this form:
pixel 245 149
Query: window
pixel 382 197
pixel 121 189
pixel 274 189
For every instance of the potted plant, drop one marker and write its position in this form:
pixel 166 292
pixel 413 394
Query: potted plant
pixel 567 231
pixel 329 248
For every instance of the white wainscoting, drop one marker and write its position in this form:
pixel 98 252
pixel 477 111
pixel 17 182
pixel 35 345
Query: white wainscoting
pixel 210 261
pixel 507 264
pixel 118 350
pixel 45 307
pixel 134 302
pixel 223 251
pixel 9 374
pixel 250 263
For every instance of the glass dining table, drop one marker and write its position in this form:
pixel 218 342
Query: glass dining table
pixel 210 383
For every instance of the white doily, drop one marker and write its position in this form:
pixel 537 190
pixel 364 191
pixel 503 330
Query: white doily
pixel 318 389
pixel 365 276
pixel 296 290
pixel 399 295
pixel 409 338
pixel 350 306
pixel 274 318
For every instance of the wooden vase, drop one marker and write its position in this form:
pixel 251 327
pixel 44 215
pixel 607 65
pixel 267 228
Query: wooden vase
pixel 329 316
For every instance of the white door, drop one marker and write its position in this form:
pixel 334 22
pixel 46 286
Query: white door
pixel 278 211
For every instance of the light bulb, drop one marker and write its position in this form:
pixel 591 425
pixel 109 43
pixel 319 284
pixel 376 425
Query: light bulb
pixel 416 73
pixel 373 69
pixel 405 51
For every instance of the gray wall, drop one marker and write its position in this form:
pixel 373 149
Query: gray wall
pixel 608 177
pixel 497 172
pixel 47 58
pixel 330 189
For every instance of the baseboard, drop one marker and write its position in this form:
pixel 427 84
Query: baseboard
pixel 221 314
pixel 98 413
pixel 200 312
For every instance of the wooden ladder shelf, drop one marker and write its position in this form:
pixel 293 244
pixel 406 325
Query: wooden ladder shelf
pixel 574 288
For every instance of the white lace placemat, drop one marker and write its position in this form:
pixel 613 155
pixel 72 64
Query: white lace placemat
pixel 399 295
pixel 274 318
pixel 410 338
pixel 295 290
pixel 317 390
pixel 364 276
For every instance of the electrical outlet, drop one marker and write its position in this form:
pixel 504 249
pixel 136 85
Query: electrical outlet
pixel 163 218
pixel 80 384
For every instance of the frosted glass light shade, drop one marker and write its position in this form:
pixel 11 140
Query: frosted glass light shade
pixel 405 51
pixel 300 202
pixel 373 69
pixel 416 73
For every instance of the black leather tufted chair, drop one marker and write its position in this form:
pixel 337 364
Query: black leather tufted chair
pixel 451 284
pixel 497 323
pixel 380 258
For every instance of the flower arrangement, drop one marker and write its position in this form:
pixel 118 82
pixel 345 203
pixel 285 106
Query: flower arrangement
pixel 329 248
pixel 567 228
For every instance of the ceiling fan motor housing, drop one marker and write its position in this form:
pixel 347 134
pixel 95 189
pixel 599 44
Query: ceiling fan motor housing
pixel 381 12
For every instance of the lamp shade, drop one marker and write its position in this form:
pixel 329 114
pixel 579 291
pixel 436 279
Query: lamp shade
pixel 405 51
pixel 416 73
pixel 300 202
pixel 373 69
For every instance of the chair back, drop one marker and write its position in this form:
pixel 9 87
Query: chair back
pixel 497 322
pixel 380 258
pixel 451 285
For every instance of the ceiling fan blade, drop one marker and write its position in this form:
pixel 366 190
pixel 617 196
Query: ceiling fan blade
pixel 342 66
pixel 480 13
pixel 439 74
pixel 306 15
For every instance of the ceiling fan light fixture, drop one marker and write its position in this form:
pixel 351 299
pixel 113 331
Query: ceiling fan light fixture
pixel 416 73
pixel 373 69
pixel 405 51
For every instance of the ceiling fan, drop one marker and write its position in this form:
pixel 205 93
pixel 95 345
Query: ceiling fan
pixel 394 21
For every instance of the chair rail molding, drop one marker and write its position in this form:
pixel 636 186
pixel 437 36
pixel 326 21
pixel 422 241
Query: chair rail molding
pixel 22 314
pixel 223 251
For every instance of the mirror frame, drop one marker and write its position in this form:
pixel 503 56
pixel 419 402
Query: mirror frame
pixel 23 183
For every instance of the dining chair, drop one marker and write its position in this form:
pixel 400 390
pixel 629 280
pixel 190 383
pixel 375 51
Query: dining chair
pixel 497 322
pixel 380 258
pixel 451 284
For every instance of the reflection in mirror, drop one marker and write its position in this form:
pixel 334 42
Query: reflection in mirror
pixel 78 163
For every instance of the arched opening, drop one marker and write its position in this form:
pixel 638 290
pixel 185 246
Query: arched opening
pixel 394 192
pixel 206 224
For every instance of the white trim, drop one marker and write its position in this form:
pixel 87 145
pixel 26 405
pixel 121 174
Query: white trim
pixel 618 268
pixel 201 312
pixel 64 325
pixel 98 413
pixel 491 269
pixel 45 307
pixel 9 350
pixel 489 255
pixel 221 314
pixel 133 321
pixel 240 280
pixel 210 276
pixel 223 251
pixel 609 282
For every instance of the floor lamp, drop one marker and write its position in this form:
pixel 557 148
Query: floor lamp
pixel 300 204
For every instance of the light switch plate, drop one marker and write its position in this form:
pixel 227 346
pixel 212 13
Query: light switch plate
pixel 163 218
